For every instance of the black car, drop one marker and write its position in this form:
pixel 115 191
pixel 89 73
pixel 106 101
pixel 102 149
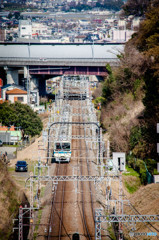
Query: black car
pixel 1 143
pixel 21 166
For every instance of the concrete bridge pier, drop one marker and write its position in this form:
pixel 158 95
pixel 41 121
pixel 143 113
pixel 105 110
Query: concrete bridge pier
pixel 12 75
pixel 32 81
pixel 25 72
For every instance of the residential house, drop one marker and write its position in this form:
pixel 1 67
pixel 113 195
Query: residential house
pixel 40 30
pixel 17 95
pixel 9 87
pixel 79 39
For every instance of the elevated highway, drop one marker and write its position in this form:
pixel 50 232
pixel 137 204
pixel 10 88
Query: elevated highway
pixel 59 59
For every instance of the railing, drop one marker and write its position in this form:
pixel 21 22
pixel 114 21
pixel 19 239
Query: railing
pixel 58 59
pixel 98 62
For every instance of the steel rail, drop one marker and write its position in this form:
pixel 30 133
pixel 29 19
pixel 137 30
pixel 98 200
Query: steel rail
pixel 62 205
pixel 55 211
pixel 83 207
pixel 88 169
pixel 59 213
pixel 52 207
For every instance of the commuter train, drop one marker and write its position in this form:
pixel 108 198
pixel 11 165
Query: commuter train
pixel 63 136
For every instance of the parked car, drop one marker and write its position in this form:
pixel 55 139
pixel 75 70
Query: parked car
pixel 21 166
pixel 1 143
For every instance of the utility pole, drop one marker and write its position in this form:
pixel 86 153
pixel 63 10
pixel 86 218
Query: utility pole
pixel 20 223
pixel 28 86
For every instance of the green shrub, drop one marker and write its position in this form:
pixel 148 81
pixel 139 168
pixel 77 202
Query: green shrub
pixel 106 90
pixel 139 166
pixel 108 68
pixel 99 100
pixel 135 136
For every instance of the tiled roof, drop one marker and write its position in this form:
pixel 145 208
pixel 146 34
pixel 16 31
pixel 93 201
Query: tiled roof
pixel 4 128
pixel 16 91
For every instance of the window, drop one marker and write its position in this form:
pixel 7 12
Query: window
pixel 66 146
pixel 62 146
pixel 20 99
pixel 23 28
pixel 58 146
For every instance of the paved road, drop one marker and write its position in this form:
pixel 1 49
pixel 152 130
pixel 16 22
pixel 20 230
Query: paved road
pixel 10 151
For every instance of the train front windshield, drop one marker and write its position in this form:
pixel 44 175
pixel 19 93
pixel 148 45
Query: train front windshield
pixel 62 146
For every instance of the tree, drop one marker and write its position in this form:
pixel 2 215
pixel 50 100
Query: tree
pixel 17 15
pixel 20 115
pixel 136 7
pixel 147 43
pixel 10 15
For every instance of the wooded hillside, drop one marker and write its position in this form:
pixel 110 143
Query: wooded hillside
pixel 130 95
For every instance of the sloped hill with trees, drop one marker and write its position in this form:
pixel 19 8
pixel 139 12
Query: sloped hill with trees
pixel 130 95
pixel 10 199
pixel 136 7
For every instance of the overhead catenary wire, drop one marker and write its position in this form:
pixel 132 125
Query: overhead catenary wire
pixel 135 210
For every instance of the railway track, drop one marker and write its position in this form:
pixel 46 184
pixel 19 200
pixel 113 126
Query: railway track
pixel 85 196
pixel 57 206
pixel 72 206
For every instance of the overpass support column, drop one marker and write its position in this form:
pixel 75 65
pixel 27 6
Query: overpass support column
pixel 33 81
pixel 32 87
pixel 12 76
pixel 25 72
